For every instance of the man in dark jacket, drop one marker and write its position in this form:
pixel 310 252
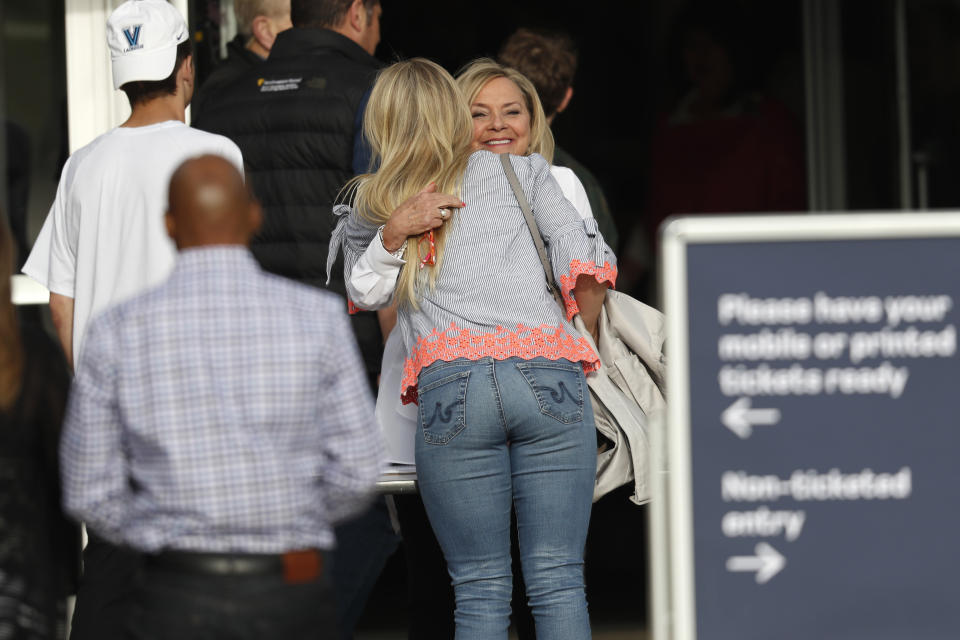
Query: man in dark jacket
pixel 258 24
pixel 297 118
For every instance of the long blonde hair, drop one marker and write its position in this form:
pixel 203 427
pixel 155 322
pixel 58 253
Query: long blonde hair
pixel 11 350
pixel 474 77
pixel 419 128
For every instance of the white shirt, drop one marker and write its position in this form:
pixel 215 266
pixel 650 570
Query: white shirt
pixel 572 190
pixel 104 239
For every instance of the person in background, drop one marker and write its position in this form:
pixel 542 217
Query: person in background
pixel 297 118
pixel 725 146
pixel 258 23
pixel 221 424
pixel 40 554
pixel 549 60
pixel 103 240
pixel 485 342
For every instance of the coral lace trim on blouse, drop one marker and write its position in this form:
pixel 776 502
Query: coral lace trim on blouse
pixel 545 341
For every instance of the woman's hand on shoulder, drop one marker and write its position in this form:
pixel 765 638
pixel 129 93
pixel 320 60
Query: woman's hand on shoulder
pixel 418 214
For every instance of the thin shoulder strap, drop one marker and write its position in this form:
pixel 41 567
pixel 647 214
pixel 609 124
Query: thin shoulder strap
pixel 532 225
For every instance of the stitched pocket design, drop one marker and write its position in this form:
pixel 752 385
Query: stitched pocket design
pixel 442 414
pixel 558 387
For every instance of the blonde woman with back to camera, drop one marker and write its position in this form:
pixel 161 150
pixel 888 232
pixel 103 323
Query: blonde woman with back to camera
pixel 494 364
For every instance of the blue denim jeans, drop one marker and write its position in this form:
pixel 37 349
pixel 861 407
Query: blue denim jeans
pixel 497 434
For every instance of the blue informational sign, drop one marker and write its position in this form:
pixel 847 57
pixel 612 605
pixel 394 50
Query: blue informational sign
pixel 814 489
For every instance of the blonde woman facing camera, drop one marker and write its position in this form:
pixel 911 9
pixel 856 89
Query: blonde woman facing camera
pixel 497 369
pixel 508 118
pixel 506 112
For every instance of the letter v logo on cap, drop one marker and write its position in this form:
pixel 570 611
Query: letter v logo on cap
pixel 133 35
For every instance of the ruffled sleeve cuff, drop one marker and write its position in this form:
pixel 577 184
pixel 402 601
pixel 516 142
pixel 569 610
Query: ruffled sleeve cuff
pixel 351 237
pixel 606 273
pixel 373 278
pixel 582 250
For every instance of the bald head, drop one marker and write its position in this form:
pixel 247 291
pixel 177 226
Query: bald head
pixel 209 205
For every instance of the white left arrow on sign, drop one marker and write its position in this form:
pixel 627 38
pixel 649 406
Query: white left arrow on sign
pixel 740 417
pixel 767 562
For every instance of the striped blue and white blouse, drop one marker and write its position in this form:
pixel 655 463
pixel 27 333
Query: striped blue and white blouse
pixel 490 297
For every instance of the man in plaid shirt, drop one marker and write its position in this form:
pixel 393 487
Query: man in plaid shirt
pixel 222 424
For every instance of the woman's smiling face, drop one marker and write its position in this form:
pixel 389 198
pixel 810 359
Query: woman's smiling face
pixel 501 120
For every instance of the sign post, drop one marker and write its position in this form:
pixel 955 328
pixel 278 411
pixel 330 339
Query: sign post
pixel 812 482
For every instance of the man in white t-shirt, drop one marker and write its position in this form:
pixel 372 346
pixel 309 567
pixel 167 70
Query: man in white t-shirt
pixel 104 240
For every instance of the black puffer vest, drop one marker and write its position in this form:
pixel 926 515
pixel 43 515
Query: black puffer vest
pixel 294 118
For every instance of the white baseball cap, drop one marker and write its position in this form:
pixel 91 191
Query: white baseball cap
pixel 143 36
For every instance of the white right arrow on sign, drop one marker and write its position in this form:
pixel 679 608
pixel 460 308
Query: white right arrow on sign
pixel 741 418
pixel 767 562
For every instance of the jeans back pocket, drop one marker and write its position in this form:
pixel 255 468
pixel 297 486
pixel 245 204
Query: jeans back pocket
pixel 442 407
pixel 558 387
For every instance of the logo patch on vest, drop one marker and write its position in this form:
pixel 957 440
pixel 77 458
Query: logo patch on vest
pixel 282 84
